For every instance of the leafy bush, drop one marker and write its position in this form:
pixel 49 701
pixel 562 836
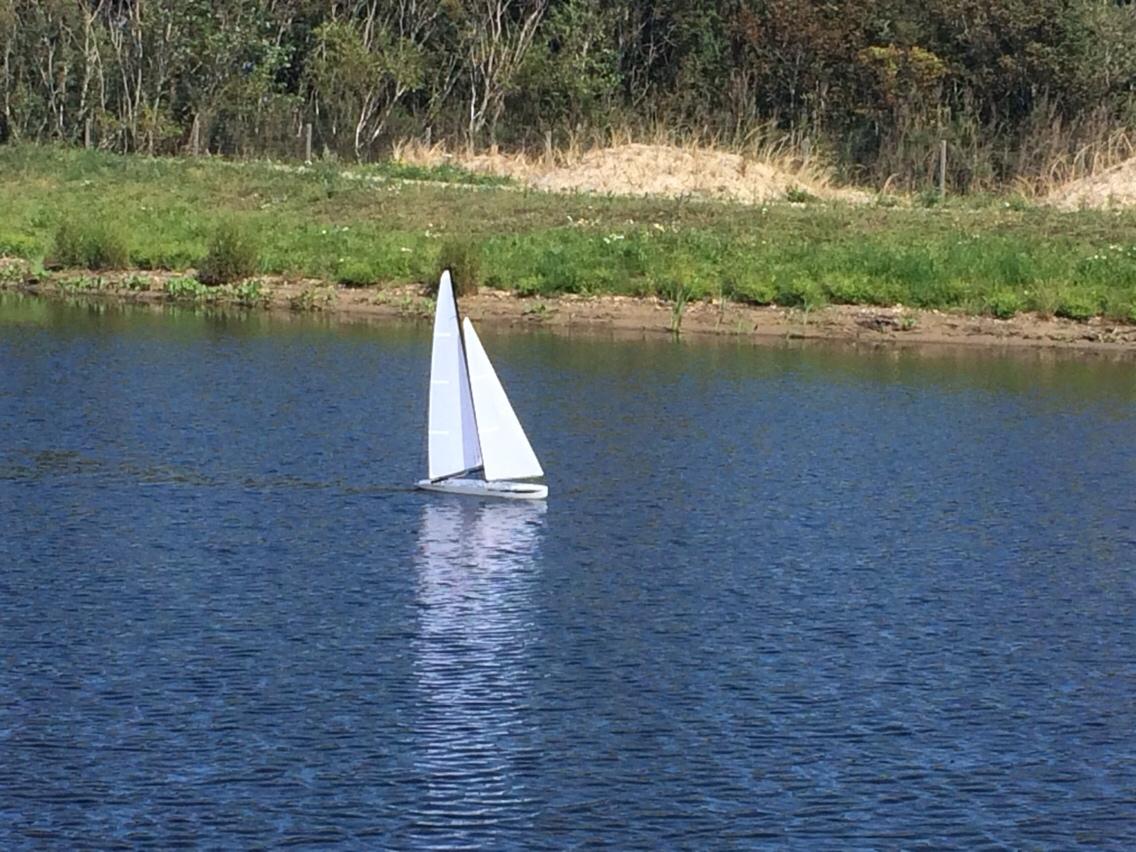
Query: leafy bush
pixel 463 258
pixel 1078 305
pixel 136 283
pixel 557 272
pixel 751 287
pixel 158 253
pixel 354 273
pixel 183 288
pixel 796 195
pixel 249 294
pixel 855 289
pixel 1004 303
pixel 1120 306
pixel 795 292
pixel 91 244
pixel 234 254
pixel 13 271
pixel 14 244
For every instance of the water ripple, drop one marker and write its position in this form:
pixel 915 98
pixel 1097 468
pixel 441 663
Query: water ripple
pixel 777 599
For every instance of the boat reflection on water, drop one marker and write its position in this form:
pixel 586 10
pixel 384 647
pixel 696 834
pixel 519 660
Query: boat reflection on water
pixel 476 565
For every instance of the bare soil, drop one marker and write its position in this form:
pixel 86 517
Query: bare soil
pixel 638 169
pixel 621 315
pixel 656 170
pixel 1109 189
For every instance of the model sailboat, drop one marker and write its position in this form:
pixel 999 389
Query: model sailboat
pixel 476 443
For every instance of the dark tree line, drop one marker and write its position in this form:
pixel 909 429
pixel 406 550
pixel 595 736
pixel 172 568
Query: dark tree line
pixel 1016 87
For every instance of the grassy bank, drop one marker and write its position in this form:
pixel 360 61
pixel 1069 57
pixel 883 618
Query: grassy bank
pixel 384 225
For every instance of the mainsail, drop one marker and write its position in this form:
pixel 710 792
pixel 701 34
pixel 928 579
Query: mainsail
pixel 452 442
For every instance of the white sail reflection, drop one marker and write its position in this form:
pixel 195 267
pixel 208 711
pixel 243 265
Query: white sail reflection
pixel 476 564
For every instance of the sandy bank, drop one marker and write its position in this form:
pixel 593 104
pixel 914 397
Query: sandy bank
pixel 860 325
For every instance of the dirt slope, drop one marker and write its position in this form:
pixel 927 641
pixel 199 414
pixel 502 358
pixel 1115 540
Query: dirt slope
pixel 1112 188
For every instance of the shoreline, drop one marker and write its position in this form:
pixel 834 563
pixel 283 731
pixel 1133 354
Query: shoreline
pixel 853 325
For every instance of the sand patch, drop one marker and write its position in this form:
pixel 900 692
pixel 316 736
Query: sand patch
pixel 638 169
pixel 1112 188
pixel 654 170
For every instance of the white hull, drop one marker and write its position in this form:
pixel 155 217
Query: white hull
pixel 481 488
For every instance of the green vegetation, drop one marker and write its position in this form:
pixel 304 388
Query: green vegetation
pixel 91 244
pixel 311 299
pixel 979 257
pixel 247 293
pixel 233 255
pixel 462 257
pixel 1029 90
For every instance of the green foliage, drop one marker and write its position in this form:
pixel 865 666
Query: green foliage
pixel 234 254
pixel 952 257
pixel 463 258
pixel 354 273
pixel 136 283
pixel 311 299
pixel 794 291
pixel 679 296
pixel 81 284
pixel 749 285
pixel 929 198
pixel 845 288
pixel 443 173
pixel 1015 89
pixel 796 195
pixel 1078 305
pixel 90 243
pixel 13 271
pixel 1004 303
pixel 185 288
pixel 249 293
pixel 15 244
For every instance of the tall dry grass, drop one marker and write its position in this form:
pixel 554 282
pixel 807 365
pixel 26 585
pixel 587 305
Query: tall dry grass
pixel 643 156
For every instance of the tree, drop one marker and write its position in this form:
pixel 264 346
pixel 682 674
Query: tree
pixel 496 35
pixel 366 62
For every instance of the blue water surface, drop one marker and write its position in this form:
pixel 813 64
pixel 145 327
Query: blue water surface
pixel 791 597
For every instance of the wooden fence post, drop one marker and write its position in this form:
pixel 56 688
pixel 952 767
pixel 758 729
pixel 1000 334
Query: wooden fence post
pixel 308 142
pixel 943 169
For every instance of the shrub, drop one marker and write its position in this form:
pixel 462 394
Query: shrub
pixel 1004 303
pixel 557 272
pixel 855 289
pixel 354 273
pixel 183 288
pixel 794 292
pixel 463 258
pixel 748 286
pixel 250 294
pixel 13 271
pixel 1120 307
pixel 1044 299
pixel 1078 306
pixel 90 244
pixel 796 195
pixel 234 254
pixel 18 245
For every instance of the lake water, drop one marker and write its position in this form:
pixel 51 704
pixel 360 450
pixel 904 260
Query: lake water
pixel 809 597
